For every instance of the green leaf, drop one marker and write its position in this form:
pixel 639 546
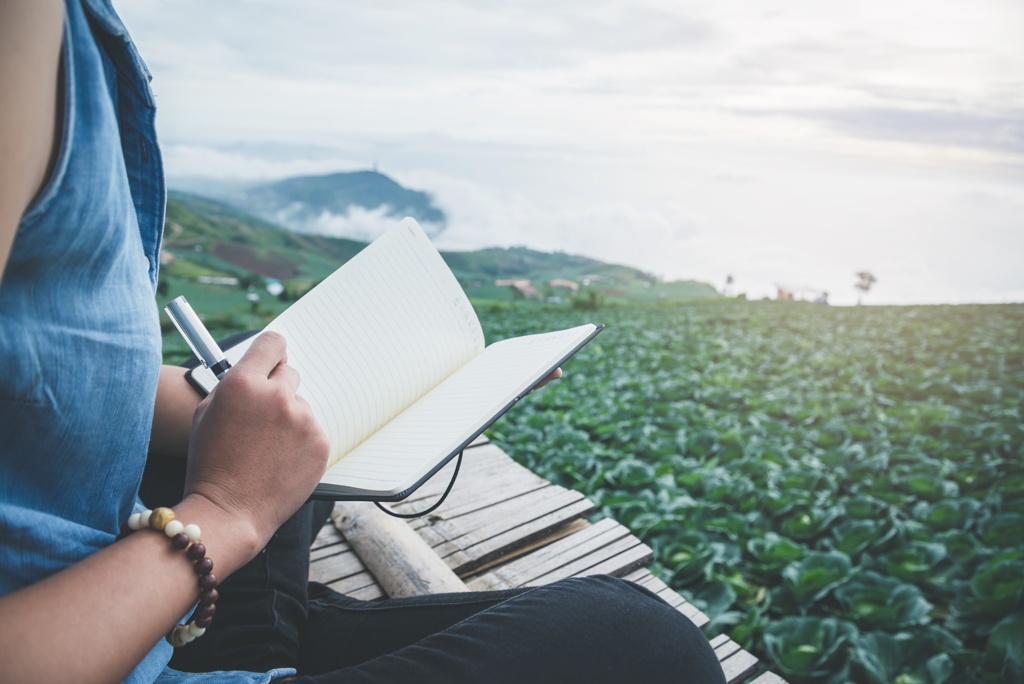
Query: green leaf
pixel 875 601
pixel 805 523
pixel 815 575
pixel 852 537
pixel 631 473
pixel 947 515
pixel 690 556
pixel 880 657
pixel 772 552
pixel 866 507
pixel 1006 643
pixel 915 561
pixel 1006 529
pixel 809 649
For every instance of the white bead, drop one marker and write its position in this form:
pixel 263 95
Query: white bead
pixel 135 522
pixel 173 528
pixel 192 531
pixel 174 638
pixel 195 630
pixel 144 517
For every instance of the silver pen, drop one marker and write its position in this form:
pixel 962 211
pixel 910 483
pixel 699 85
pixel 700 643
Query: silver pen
pixel 198 337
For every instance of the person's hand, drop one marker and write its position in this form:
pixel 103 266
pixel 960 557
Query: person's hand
pixel 256 449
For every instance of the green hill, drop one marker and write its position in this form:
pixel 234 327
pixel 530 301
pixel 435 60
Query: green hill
pixel 208 243
pixel 301 201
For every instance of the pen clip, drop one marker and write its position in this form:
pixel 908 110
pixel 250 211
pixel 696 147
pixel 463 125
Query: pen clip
pixel 197 336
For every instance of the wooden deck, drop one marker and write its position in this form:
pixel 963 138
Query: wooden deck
pixel 503 526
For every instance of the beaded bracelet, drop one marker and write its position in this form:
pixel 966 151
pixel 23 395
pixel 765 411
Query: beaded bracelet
pixel 184 538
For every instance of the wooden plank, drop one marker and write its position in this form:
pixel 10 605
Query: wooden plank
pixel 370 592
pixel 605 548
pixel 328 536
pixel 504 524
pixel 507 542
pixel 625 561
pixel 769 678
pixel 506 515
pixel 728 648
pixel 494 493
pixel 330 550
pixel 738 666
pixel 505 481
pixel 496 539
pixel 718 641
pixel 361 585
pixel 480 464
pixel 558 533
pixel 519 572
pixel 333 568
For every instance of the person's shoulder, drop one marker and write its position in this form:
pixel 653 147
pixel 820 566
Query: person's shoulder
pixel 31 33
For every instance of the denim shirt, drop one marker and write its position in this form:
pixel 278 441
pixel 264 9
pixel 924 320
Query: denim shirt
pixel 79 334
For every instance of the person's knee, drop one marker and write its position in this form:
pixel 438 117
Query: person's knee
pixel 631 626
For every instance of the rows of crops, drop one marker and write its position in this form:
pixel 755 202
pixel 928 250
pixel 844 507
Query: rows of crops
pixel 841 489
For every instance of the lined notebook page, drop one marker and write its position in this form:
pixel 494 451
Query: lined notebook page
pixel 378 334
pixel 405 450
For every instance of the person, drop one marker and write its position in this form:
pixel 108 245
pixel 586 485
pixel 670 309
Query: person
pixel 85 402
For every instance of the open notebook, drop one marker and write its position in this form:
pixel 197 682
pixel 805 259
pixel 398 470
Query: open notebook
pixel 393 362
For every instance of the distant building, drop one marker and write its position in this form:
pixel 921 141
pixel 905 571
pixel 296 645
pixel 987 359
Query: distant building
pixel 229 281
pixel 523 287
pixel 565 284
pixel 801 293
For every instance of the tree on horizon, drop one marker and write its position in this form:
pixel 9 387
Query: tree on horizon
pixel 865 281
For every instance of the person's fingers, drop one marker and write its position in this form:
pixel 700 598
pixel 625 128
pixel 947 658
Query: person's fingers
pixel 264 354
pixel 288 375
pixel 554 375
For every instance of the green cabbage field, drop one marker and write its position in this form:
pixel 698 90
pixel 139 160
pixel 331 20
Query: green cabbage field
pixel 841 489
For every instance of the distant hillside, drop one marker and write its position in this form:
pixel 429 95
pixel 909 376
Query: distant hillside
pixel 207 239
pixel 324 204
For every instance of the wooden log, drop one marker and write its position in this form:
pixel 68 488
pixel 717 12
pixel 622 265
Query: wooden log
pixel 402 563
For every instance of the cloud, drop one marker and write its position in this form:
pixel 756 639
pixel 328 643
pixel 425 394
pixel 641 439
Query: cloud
pixel 242 162
pixel 950 128
pixel 357 224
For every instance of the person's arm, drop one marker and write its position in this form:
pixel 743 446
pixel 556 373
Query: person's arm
pixel 255 455
pixel 176 401
pixel 30 40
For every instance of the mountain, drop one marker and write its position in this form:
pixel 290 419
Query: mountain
pixel 207 239
pixel 348 204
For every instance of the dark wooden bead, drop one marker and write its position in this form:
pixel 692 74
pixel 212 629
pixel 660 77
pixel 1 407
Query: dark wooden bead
pixel 209 596
pixel 208 581
pixel 179 541
pixel 204 621
pixel 204 566
pixel 196 551
pixel 205 610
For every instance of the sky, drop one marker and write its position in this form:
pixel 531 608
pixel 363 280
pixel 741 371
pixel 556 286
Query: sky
pixel 783 142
